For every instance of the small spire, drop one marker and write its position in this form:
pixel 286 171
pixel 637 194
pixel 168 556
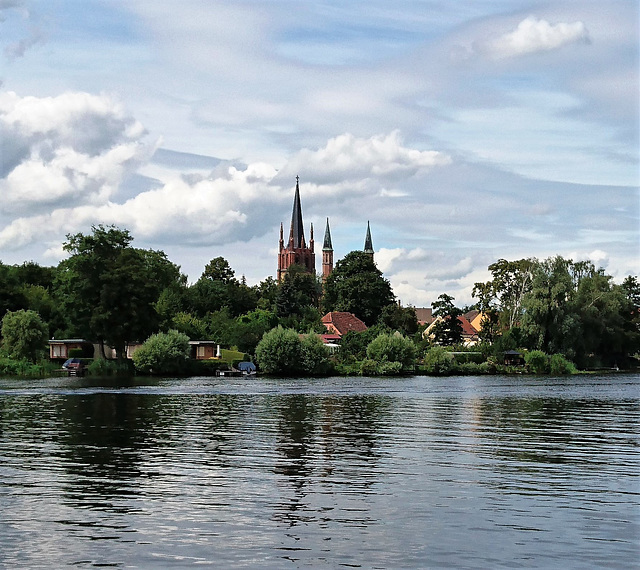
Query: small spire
pixel 297 231
pixel 327 245
pixel 368 244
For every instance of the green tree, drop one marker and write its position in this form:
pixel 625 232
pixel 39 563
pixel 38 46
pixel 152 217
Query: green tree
pixel 218 269
pixel 438 361
pixel 357 286
pixel 314 356
pixel 506 291
pixel 448 330
pixel 163 353
pixel 24 335
pixel 110 289
pixel 298 292
pixel 401 319
pixel 249 329
pixel 279 352
pixel 393 348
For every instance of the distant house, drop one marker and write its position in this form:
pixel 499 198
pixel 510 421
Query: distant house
pixel 469 334
pixel 204 349
pixel 59 349
pixel 424 315
pixel 340 323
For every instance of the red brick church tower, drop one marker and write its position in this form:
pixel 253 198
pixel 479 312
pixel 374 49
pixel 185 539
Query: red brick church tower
pixel 296 251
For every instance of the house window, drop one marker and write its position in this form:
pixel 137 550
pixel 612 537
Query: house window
pixel 58 351
pixel 200 352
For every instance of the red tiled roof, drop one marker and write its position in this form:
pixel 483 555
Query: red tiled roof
pixel 467 329
pixel 341 323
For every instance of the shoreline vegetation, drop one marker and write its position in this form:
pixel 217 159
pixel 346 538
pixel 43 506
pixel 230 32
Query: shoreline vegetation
pixel 552 316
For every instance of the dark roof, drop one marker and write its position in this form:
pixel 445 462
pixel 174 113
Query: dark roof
pixel 343 322
pixel 327 245
pixel 368 244
pixel 297 231
pixel 424 315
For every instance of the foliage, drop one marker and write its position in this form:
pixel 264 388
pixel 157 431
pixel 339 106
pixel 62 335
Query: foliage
pixel 401 319
pixel 110 289
pixel 298 291
pixel 27 369
pixel 249 329
pixel 105 367
pixel 163 353
pixel 537 362
pixel 558 364
pixel 447 329
pixel 505 292
pixel 394 348
pixel 438 361
pixel 282 351
pixel 24 335
pixel 279 351
pixel 357 286
pixel 218 269
pixel 314 356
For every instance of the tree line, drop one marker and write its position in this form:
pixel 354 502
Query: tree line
pixel 113 293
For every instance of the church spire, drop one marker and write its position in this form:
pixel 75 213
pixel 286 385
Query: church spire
pixel 327 253
pixel 368 244
pixel 327 245
pixel 297 231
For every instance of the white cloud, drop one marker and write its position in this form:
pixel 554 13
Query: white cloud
pixel 73 148
pixel 534 35
pixel 346 158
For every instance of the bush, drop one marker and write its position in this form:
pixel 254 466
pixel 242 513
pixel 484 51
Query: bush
pixel 25 369
pixel 368 367
pixel 438 362
pixel 392 348
pixel 558 365
pixel 104 367
pixel 24 335
pixel 281 351
pixel 537 362
pixel 163 353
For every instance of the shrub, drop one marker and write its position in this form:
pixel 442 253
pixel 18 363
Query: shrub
pixel 537 362
pixel 24 335
pixel 438 362
pixel 104 367
pixel 281 351
pixel 314 356
pixel 558 364
pixel 387 348
pixel 368 367
pixel 163 353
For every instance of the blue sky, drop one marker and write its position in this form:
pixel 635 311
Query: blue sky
pixel 463 131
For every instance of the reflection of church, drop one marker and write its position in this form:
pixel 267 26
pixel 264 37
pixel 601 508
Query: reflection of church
pixel 297 252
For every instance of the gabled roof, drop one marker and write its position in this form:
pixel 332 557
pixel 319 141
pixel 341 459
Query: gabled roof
pixel 467 329
pixel 341 323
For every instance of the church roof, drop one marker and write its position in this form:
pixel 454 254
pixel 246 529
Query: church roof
pixel 327 245
pixel 368 244
pixel 297 231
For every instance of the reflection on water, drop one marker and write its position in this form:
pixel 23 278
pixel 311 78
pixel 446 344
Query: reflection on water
pixel 417 472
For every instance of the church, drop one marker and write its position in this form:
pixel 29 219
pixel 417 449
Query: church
pixel 296 251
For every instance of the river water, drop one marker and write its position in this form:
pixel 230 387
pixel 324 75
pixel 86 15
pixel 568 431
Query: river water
pixel 464 472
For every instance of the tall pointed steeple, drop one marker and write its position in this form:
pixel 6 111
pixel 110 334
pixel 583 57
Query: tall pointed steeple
pixel 326 244
pixel 327 253
pixel 296 251
pixel 297 231
pixel 368 244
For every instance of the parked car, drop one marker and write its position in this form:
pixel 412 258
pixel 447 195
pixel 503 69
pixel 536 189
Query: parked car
pixel 74 366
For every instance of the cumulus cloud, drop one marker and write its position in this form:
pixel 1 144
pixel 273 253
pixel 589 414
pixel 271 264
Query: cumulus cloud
pixel 534 35
pixel 348 158
pixel 73 148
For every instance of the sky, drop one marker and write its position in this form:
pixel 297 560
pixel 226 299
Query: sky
pixel 464 132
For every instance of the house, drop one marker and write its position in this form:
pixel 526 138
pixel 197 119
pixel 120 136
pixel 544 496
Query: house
pixel 204 349
pixel 424 315
pixel 469 334
pixel 60 349
pixel 340 323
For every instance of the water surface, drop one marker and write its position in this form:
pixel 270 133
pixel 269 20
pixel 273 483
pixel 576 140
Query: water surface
pixel 466 472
